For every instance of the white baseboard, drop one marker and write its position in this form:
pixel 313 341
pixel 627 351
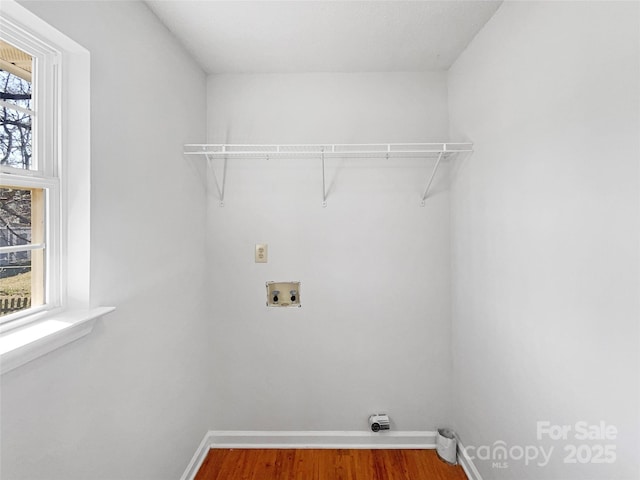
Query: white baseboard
pixel 322 439
pixel 317 439
pixel 195 463
pixel 466 462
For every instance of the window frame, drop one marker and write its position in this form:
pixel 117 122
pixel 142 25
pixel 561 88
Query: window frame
pixel 47 173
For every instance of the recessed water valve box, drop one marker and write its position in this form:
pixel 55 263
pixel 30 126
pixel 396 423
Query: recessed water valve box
pixel 283 294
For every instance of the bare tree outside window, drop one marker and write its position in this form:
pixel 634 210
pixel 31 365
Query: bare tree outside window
pixel 16 123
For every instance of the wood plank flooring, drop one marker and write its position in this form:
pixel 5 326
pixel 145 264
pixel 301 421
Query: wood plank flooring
pixel 326 464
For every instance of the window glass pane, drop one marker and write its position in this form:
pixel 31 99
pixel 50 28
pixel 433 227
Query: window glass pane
pixel 21 286
pixel 15 139
pixel 16 123
pixel 15 216
pixel 22 273
pixel 15 90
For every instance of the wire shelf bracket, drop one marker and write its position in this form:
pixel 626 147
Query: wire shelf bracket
pixel 324 183
pixel 219 186
pixel 433 175
pixel 439 151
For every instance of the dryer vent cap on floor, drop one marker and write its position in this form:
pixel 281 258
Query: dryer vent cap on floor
pixel 379 421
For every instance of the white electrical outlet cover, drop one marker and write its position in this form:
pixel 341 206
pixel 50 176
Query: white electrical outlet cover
pixel 261 253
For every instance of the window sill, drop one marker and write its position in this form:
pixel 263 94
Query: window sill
pixel 27 343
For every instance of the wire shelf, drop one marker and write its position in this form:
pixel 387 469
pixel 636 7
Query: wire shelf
pixel 380 150
pixel 438 151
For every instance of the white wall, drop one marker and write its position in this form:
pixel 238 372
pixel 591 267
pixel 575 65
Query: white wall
pixel 130 400
pixel 545 232
pixel 372 333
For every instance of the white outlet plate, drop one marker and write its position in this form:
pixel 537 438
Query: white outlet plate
pixel 262 253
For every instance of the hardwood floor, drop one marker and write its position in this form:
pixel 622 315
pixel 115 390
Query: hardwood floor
pixel 325 464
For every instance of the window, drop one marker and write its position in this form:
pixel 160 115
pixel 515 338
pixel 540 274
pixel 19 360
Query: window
pixel 22 233
pixel 44 189
pixel 29 189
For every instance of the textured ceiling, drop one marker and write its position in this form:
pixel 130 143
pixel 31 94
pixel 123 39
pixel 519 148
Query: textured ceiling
pixel 323 36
